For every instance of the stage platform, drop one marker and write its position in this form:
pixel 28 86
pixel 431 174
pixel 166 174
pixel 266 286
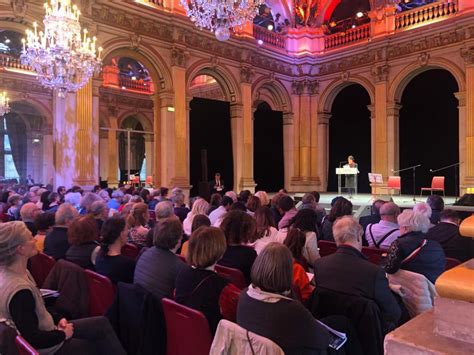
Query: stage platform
pixel 362 202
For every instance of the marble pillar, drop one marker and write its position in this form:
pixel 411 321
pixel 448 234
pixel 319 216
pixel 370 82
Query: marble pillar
pixel 323 148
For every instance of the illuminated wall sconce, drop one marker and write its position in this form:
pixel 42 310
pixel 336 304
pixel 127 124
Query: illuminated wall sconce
pixel 36 140
pixel 170 109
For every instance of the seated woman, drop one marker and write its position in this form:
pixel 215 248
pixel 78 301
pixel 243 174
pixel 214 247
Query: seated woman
pixel 341 207
pixel 266 228
pixel 198 221
pixel 137 221
pixel 44 224
pixel 198 286
pixel 110 262
pixel 239 229
pixel 21 304
pixel 200 206
pixel 295 241
pixel 158 266
pixel 412 251
pixel 266 309
pixel 82 235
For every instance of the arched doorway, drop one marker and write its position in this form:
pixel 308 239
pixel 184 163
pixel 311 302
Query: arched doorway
pixel 350 134
pixel 429 129
pixel 210 134
pixel 268 148
pixel 131 149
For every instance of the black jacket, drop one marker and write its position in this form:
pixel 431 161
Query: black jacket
pixel 454 246
pixel 430 261
pixel 56 244
pixel 347 271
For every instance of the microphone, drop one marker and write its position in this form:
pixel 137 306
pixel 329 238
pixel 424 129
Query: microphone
pixel 431 170
pixel 341 162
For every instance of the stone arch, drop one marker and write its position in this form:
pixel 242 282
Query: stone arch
pixel 153 61
pixel 273 92
pixel 44 115
pixel 326 11
pixel 329 94
pixel 404 77
pixel 140 116
pixel 221 74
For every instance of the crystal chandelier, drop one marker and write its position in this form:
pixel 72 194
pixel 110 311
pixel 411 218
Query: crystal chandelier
pixel 4 103
pixel 220 16
pixel 63 57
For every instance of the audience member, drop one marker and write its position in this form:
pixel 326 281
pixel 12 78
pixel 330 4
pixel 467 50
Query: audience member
pixel 44 200
pixel 286 208
pixel 180 209
pixel 348 272
pixel 374 216
pixel 382 234
pixel 87 200
pixel 44 224
pixel 74 199
pixel 54 200
pixel 198 221
pixel 295 241
pixel 116 201
pixel 56 242
pixel 266 228
pixel 154 199
pixel 239 229
pixel 446 233
pixel 82 236
pixel 200 206
pixel 28 212
pixel 215 202
pixel 264 200
pixel 437 206
pixel 110 262
pixel 306 221
pixel 14 201
pixel 198 286
pixel 137 222
pixel 253 202
pixel 424 209
pixel 310 201
pixel 99 211
pixel 21 304
pixel 218 214
pixel 341 207
pixel 158 266
pixel 411 251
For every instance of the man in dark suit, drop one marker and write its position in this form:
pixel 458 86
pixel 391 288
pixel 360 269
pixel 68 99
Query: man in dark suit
pixel 217 185
pixel 348 272
pixel 446 233
pixel 373 218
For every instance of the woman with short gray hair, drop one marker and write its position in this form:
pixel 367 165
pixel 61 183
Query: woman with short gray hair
pixel 412 251
pixel 22 305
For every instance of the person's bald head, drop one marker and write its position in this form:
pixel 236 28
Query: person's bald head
pixel 389 212
pixel 346 230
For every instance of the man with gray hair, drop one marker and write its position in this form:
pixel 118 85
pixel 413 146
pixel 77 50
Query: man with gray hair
pixel 56 243
pixel 28 212
pixel 382 234
pixel 348 272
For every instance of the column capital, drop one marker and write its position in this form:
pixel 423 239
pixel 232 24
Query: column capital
pixel 178 57
pixel 468 55
pixel 306 86
pixel 380 73
pixel 371 108
pixel 287 118
pixel 461 96
pixel 393 108
pixel 236 110
pixel 247 74
pixel 166 99
pixel 323 118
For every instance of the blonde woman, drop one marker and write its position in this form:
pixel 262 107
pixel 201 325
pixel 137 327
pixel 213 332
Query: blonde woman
pixel 200 206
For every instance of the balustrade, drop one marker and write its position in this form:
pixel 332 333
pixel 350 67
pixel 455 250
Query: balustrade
pixel 350 36
pixel 7 61
pixel 425 14
pixel 268 37
pixel 137 85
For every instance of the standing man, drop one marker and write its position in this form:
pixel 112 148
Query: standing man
pixel 217 185
pixel 351 180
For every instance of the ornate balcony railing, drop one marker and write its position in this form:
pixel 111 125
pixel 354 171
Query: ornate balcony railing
pixel 136 85
pixel 425 14
pixel 353 35
pixel 7 61
pixel 268 37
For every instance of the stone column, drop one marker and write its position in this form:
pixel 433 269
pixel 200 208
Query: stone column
pixel 305 138
pixel 149 142
pixel 467 127
pixel 461 96
pixel 393 137
pixel 112 144
pixel 48 157
pixel 237 132
pixel 379 126
pixel 288 148
pixel 314 99
pixel 297 91
pixel 103 154
pixel 178 167
pixel 323 148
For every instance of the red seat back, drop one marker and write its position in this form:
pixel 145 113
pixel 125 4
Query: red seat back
pixel 40 265
pixel 101 293
pixel 187 330
pixel 326 247
pixel 234 275
pixel 450 263
pixel 130 250
pixel 394 182
pixel 437 183
pixel 23 347
pixel 375 255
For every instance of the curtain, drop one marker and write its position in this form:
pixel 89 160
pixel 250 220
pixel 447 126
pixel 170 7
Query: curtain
pixel 16 131
pixel 122 151
pixel 139 152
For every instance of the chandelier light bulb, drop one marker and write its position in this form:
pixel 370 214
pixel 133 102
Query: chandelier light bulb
pixel 63 56
pixel 222 33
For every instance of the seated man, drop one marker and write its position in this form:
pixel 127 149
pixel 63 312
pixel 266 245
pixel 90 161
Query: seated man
pixel 382 234
pixel 446 233
pixel 374 217
pixel 348 272
pixel 437 206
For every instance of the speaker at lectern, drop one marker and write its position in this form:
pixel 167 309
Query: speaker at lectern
pixel 350 177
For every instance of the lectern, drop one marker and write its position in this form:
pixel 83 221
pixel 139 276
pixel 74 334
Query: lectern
pixel 346 171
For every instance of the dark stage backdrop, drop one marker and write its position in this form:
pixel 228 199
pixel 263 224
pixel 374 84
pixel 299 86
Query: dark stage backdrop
pixel 429 129
pixel 210 129
pixel 268 149
pixel 349 134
